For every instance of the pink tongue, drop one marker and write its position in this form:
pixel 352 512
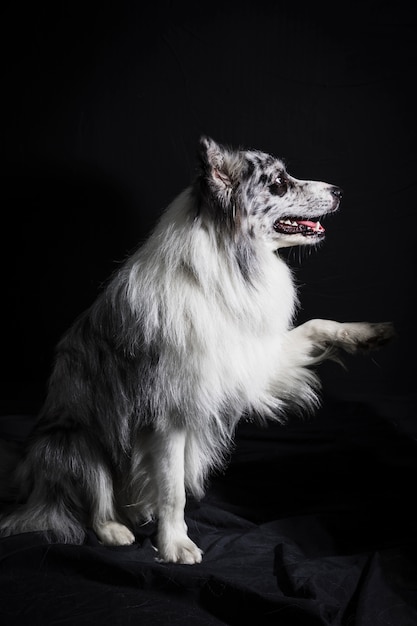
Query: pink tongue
pixel 312 225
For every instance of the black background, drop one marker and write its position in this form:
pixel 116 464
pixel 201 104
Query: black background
pixel 313 523
pixel 103 107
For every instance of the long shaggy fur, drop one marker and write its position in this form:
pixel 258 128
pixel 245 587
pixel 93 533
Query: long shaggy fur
pixel 193 332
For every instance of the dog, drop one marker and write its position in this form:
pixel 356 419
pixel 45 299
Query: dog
pixel 193 332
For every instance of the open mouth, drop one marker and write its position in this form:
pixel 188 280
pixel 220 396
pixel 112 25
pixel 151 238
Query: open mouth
pixel 307 228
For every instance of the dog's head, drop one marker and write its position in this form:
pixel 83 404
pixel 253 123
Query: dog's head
pixel 252 190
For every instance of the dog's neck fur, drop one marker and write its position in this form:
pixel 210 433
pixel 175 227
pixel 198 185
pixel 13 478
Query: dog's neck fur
pixel 184 243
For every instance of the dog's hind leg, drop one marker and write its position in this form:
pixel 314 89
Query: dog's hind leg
pixel 174 545
pixel 63 488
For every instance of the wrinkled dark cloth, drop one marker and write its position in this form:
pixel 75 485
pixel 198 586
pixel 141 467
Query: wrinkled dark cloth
pixel 311 524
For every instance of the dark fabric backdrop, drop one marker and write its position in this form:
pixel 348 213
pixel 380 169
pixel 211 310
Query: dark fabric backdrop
pixel 103 105
pixel 103 108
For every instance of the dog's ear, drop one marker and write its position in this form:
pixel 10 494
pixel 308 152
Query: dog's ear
pixel 218 181
pixel 216 164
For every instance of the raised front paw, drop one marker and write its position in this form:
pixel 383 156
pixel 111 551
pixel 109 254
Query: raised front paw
pixel 355 336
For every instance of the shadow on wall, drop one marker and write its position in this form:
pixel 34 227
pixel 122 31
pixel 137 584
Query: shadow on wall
pixel 68 228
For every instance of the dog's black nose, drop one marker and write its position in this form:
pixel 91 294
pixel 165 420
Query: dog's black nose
pixel 336 191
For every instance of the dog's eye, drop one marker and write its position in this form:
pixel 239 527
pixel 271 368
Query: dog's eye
pixel 279 186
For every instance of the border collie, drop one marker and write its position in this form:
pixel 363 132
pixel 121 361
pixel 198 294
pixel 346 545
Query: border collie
pixel 192 333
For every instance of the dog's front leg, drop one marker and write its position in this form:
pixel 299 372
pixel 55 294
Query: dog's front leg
pixel 321 336
pixel 174 545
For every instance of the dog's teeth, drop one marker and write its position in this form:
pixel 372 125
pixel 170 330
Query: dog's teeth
pixel 318 226
pixel 293 223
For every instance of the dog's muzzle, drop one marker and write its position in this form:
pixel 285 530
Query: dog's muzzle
pixel 337 193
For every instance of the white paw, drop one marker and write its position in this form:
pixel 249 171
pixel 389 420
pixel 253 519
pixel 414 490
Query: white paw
pixel 364 335
pixel 114 534
pixel 179 550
